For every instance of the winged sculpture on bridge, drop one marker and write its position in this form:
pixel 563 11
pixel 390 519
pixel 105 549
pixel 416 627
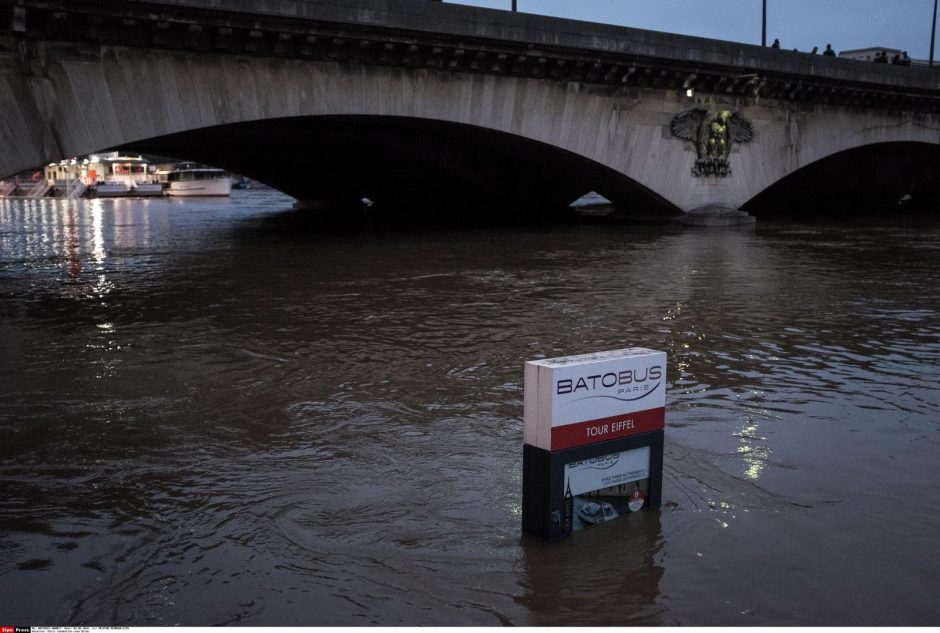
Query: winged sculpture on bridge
pixel 712 138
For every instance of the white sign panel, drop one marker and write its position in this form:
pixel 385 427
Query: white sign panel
pixel 578 400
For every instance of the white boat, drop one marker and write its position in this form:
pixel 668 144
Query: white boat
pixel 148 189
pixel 113 189
pixel 108 176
pixel 187 180
pixel 127 189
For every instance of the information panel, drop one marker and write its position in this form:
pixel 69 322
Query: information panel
pixel 568 490
pixel 593 449
pixel 602 488
pixel 579 400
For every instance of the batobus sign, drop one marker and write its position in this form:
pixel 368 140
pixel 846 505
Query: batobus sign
pixel 593 434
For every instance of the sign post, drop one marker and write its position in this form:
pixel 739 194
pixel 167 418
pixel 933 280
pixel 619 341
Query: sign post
pixel 593 434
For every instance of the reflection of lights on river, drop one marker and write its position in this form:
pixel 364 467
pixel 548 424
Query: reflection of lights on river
pixel 674 312
pixel 73 246
pixel 681 361
pixel 97 223
pixel 754 456
pixel 98 251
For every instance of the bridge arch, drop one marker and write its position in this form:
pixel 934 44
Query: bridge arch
pixel 597 107
pixel 872 178
pixel 410 164
pixel 791 138
pixel 151 99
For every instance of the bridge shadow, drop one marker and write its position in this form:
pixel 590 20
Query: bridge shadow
pixel 866 182
pixel 410 171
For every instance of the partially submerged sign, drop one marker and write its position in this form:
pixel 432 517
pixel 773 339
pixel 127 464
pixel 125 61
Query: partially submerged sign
pixel 593 448
pixel 578 400
pixel 608 472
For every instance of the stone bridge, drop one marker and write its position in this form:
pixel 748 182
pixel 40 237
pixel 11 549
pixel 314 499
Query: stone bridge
pixel 425 104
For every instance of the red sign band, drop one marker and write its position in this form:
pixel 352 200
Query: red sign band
pixel 603 429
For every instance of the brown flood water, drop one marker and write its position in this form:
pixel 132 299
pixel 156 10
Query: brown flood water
pixel 210 414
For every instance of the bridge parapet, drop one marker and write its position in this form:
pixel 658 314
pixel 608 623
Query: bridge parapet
pixel 422 34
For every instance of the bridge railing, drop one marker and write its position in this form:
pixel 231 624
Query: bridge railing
pixel 459 38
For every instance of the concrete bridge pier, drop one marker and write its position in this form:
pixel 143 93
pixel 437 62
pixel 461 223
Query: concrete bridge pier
pixel 717 216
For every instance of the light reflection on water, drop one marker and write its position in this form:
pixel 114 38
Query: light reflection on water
pixel 211 414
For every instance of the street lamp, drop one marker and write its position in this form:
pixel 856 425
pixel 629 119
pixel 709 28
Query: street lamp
pixel 763 32
pixel 513 5
pixel 933 31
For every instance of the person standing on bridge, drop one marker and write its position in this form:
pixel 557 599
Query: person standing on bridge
pixel 829 51
pixel 776 43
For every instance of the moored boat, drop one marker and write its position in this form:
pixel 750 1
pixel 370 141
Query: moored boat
pixel 114 175
pixel 112 189
pixel 190 180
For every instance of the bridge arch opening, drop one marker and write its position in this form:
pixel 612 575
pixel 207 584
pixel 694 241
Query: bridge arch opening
pixel 409 168
pixel 862 181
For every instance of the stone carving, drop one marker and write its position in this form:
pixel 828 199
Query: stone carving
pixel 712 139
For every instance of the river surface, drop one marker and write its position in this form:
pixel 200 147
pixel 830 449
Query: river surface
pixel 210 413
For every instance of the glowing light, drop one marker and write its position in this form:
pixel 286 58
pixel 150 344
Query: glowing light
pixel 97 220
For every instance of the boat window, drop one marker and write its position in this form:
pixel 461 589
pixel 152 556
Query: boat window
pixel 200 174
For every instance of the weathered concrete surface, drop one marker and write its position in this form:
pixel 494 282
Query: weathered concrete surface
pixel 61 99
pixel 541 33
